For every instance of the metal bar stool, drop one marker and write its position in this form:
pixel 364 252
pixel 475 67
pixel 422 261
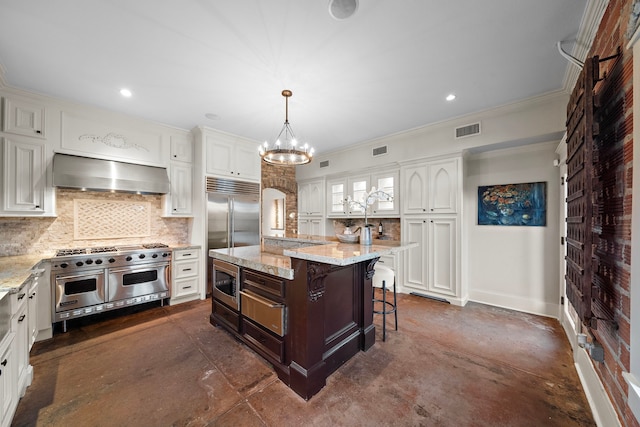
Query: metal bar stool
pixel 381 277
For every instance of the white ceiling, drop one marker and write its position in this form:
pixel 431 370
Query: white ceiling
pixel 386 69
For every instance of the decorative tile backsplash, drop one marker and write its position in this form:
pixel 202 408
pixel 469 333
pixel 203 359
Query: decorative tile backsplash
pixel 19 236
pixel 126 218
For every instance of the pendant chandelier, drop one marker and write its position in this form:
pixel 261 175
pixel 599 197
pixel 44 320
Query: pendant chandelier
pixel 285 150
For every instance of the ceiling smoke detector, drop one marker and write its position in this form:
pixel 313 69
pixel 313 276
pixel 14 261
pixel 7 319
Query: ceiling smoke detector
pixel 342 9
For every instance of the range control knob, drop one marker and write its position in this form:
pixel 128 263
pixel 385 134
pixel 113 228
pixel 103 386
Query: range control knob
pixel 79 263
pixel 154 256
pixel 111 260
pixel 165 254
pixel 141 256
pixel 128 258
pixel 64 265
pixel 89 262
pixel 98 261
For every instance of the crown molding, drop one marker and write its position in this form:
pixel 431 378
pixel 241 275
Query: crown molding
pixel 589 25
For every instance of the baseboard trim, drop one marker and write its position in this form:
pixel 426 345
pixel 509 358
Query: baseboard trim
pixel 511 302
pixel 602 409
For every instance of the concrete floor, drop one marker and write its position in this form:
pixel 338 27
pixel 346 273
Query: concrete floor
pixel 445 366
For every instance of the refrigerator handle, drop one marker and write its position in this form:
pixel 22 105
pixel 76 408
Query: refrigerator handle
pixel 230 223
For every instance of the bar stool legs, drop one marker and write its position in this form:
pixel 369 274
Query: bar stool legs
pixel 388 307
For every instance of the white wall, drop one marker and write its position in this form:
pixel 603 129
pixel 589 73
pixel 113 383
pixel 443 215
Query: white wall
pixel 513 266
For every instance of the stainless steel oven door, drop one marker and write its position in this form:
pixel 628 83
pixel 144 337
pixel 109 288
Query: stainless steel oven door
pixel 79 290
pixel 131 282
pixel 226 278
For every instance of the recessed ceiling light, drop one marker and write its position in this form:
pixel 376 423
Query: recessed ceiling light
pixel 126 93
pixel 450 97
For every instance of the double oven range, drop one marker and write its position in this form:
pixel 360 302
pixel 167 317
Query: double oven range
pixel 93 280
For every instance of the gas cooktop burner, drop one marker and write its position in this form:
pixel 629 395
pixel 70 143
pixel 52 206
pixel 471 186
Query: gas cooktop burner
pixel 154 245
pixel 65 252
pixel 105 249
pixel 102 249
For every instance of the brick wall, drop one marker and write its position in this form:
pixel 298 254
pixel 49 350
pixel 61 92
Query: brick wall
pixel 20 236
pixel 612 249
pixel 283 178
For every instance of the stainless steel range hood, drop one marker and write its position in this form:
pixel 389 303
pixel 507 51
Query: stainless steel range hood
pixel 108 175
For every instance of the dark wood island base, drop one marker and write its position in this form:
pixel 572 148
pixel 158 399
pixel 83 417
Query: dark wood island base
pixel 328 318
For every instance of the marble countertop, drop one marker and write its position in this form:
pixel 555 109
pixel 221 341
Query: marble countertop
pixel 276 260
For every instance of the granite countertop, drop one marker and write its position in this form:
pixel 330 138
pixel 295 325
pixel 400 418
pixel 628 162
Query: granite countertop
pixel 276 260
pixel 264 258
pixel 15 270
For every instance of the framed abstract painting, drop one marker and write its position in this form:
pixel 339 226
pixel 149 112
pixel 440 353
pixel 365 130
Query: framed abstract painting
pixel 513 204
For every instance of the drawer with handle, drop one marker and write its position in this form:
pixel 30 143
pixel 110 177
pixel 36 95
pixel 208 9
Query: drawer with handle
pixel 185 254
pixel 267 343
pixel 226 316
pixel 267 284
pixel 263 311
pixel 186 269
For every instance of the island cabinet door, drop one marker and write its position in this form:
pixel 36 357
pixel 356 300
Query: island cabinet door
pixel 325 306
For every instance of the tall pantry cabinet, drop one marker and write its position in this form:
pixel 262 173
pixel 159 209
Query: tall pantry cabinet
pixel 431 216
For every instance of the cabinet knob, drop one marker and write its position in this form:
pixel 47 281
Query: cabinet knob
pixel 175 155
pixel 38 131
pixel 37 206
pixel 424 210
pixel 4 362
pixel 21 318
pixel 431 209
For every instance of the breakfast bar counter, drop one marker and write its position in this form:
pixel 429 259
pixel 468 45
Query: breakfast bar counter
pixel 306 309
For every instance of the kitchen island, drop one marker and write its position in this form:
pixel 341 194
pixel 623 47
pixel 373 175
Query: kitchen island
pixel 306 308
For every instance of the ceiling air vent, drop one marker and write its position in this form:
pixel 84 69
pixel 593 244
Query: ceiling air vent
pixel 468 130
pixel 379 151
pixel 324 164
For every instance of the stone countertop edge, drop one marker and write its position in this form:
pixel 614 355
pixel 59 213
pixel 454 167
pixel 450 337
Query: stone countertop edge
pixel 16 269
pixel 254 258
pixel 341 254
pixel 184 247
pixel 345 253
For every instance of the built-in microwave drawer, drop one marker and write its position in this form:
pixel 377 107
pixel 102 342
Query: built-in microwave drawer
pixel 270 285
pixel 263 311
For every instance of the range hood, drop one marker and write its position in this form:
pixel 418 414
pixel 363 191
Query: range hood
pixel 108 175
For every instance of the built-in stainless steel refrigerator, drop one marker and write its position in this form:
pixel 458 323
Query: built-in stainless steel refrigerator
pixel 233 215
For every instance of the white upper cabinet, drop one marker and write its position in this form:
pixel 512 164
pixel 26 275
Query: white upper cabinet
pixel 340 189
pixel 415 189
pixel 443 186
pixel 431 187
pixel 311 198
pixel 336 197
pixel 181 149
pixel 232 157
pixel 181 195
pixel 24 117
pixel 389 183
pixel 24 177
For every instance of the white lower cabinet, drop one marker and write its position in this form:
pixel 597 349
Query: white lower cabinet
pixel 8 381
pixel 185 282
pixel 16 373
pixel 21 324
pixel 433 268
pixel 311 226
